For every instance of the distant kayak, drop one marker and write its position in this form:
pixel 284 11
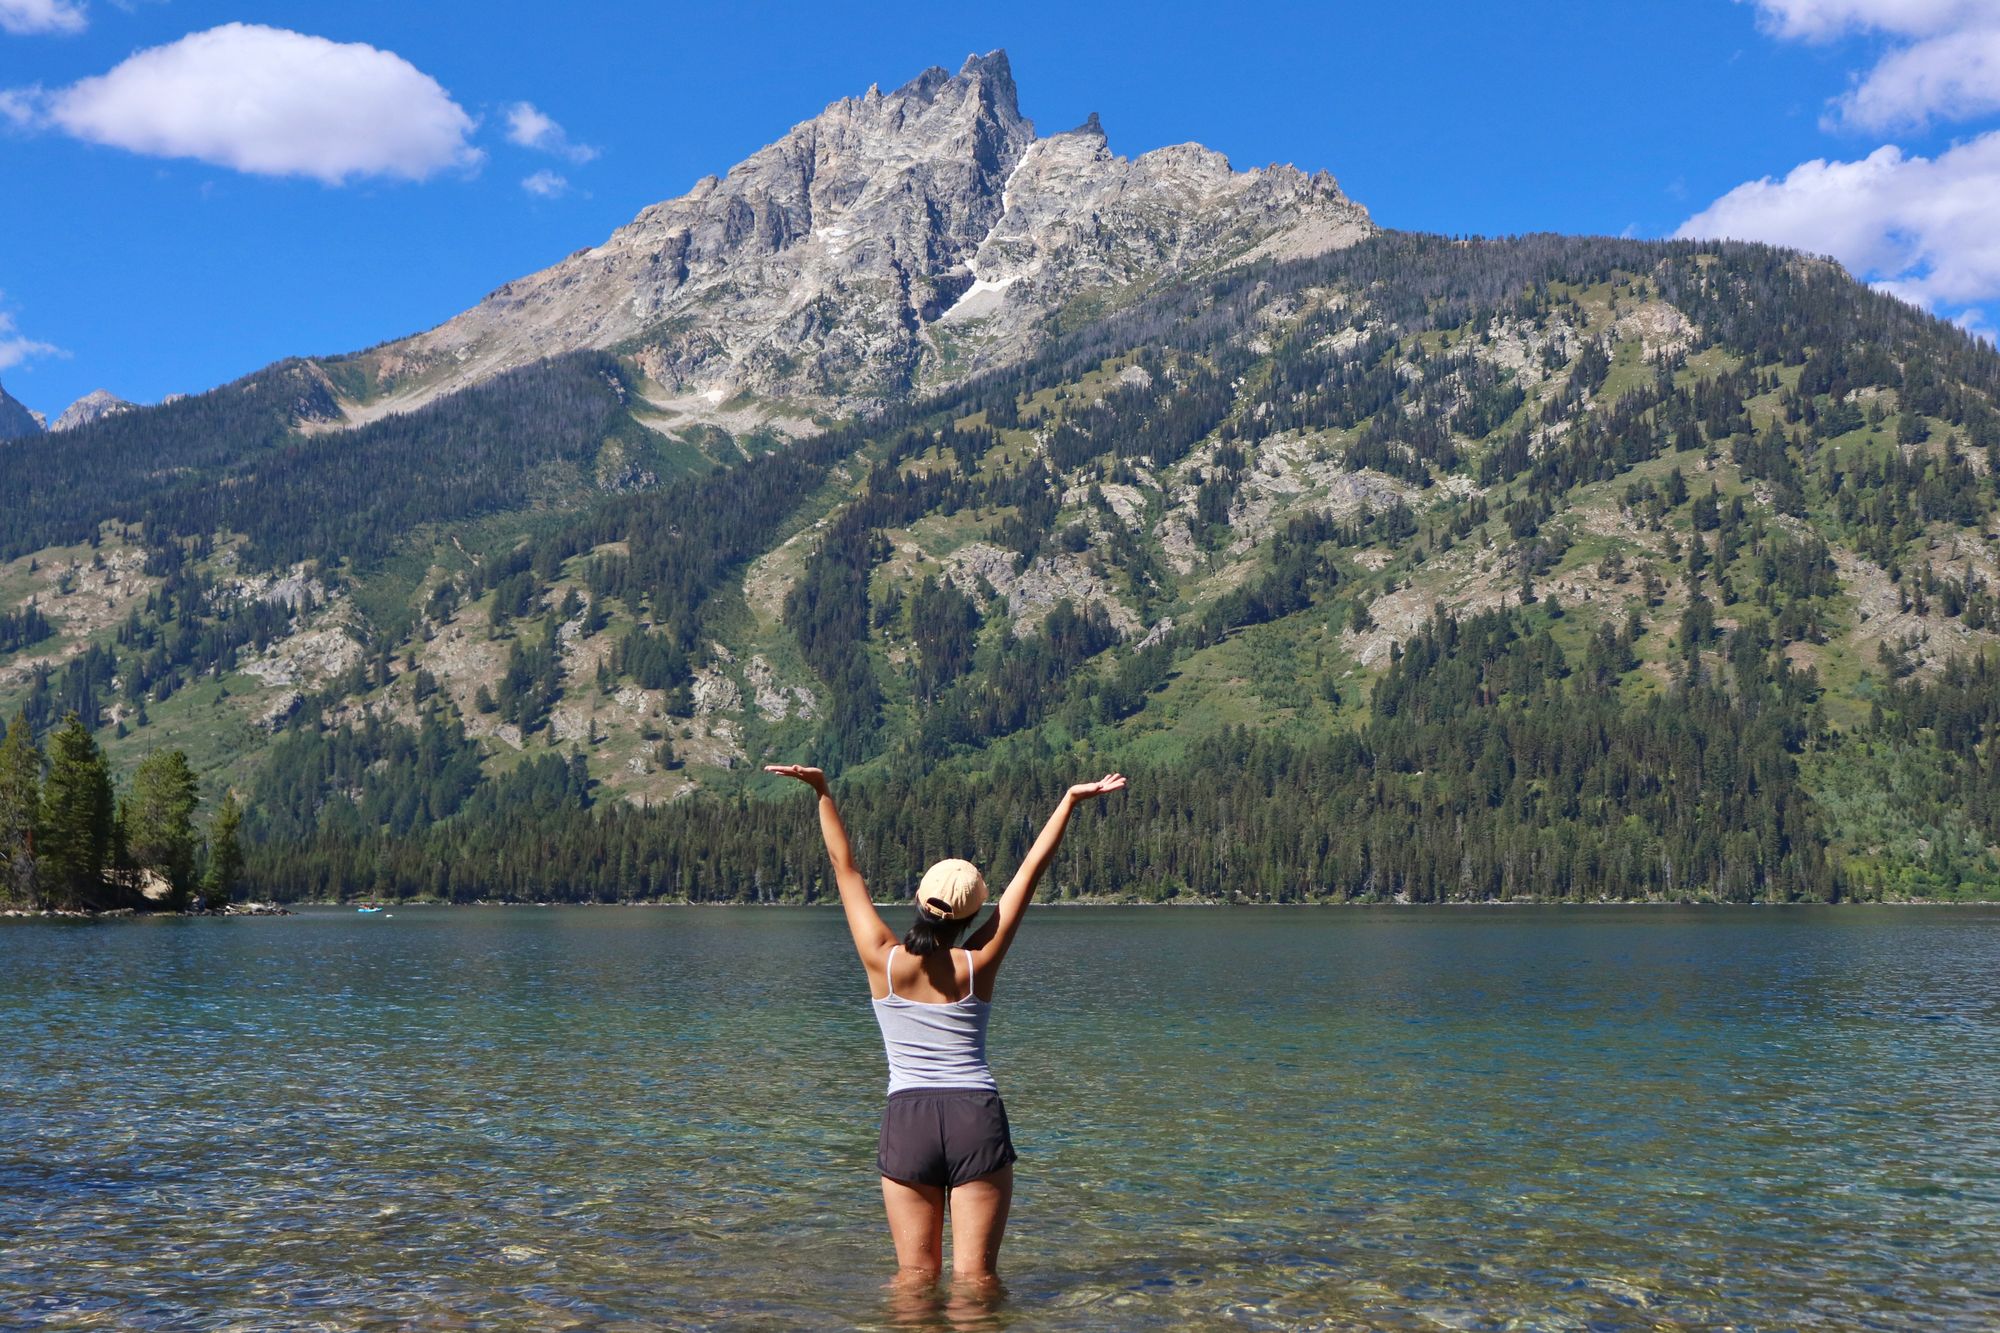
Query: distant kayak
pixel 366 910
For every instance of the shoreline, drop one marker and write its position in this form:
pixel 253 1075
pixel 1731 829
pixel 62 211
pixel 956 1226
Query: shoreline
pixel 117 913
pixel 1192 904
pixel 270 909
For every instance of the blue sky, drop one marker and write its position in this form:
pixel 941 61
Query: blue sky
pixel 189 200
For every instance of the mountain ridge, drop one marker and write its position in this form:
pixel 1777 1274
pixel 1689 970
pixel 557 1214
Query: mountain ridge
pixel 816 272
pixel 96 405
pixel 17 421
pixel 1562 565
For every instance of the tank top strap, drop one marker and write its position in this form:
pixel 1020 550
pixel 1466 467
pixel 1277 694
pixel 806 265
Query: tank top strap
pixel 889 969
pixel 968 972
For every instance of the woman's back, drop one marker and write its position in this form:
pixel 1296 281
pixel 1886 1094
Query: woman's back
pixel 933 1043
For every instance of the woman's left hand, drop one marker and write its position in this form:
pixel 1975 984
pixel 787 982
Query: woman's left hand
pixel 812 777
pixel 1104 786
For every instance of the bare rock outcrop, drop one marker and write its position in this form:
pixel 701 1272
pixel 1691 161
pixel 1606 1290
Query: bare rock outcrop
pixel 93 406
pixel 825 269
pixel 16 421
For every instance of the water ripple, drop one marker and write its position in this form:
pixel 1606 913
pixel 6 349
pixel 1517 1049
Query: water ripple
pixel 1329 1120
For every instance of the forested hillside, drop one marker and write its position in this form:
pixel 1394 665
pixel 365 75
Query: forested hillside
pixel 1440 569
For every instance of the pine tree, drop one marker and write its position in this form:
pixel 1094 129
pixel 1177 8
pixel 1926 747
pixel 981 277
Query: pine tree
pixel 160 825
pixel 225 854
pixel 20 806
pixel 74 837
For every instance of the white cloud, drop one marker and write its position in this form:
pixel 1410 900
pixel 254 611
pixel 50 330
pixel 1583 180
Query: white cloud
pixel 546 184
pixel 272 102
pixel 1974 322
pixel 22 17
pixel 15 348
pixel 1825 20
pixel 530 127
pixel 1948 68
pixel 19 106
pixel 1922 228
pixel 1951 77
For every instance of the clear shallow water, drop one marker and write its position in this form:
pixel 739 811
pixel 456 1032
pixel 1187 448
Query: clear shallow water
pixel 632 1118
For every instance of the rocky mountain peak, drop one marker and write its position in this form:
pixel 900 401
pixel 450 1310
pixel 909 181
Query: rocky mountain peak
pixel 16 421
pixel 1092 128
pixel 826 269
pixel 93 406
pixel 993 77
pixel 990 78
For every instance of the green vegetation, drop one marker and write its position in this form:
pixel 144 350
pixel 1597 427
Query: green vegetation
pixel 72 835
pixel 225 855
pixel 20 812
pixel 230 461
pixel 68 842
pixel 158 821
pixel 1490 766
pixel 1544 567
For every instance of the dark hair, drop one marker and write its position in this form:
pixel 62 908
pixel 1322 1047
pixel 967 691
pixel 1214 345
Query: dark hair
pixel 927 934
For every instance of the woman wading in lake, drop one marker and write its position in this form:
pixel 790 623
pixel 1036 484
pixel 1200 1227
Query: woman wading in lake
pixel 944 1141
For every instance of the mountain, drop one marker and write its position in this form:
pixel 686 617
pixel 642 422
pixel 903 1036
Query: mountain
pixel 16 420
pixel 895 241
pixel 93 406
pixel 1388 565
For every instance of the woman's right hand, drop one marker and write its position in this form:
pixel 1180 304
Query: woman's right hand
pixel 812 777
pixel 1104 786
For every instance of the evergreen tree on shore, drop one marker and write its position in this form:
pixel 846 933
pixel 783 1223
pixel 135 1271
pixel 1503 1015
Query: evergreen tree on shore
pixel 159 825
pixel 225 854
pixel 74 837
pixel 20 807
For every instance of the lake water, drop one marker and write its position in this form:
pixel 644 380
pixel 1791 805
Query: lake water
pixel 634 1118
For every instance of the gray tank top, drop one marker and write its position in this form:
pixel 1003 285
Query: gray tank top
pixel 935 1045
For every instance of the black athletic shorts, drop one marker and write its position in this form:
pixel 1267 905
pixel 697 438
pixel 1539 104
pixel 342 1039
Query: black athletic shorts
pixel 944 1136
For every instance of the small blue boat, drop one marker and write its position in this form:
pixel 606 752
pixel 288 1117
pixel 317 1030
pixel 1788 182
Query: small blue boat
pixel 365 910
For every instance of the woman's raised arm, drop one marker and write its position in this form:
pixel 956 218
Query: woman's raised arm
pixel 872 936
pixel 990 943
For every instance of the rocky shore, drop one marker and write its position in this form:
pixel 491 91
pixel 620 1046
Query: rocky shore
pixel 81 914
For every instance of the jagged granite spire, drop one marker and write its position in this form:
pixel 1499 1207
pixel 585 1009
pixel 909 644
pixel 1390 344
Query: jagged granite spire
pixel 822 270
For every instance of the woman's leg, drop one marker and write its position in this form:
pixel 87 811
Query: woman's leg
pixel 916 1224
pixel 979 1222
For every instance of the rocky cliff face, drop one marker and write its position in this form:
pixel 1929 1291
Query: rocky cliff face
pixel 93 406
pixel 894 241
pixel 1076 217
pixel 16 421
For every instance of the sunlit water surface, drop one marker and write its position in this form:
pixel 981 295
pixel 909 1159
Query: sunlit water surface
pixel 633 1118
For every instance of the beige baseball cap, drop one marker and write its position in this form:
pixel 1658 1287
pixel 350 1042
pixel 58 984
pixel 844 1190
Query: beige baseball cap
pixel 952 890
